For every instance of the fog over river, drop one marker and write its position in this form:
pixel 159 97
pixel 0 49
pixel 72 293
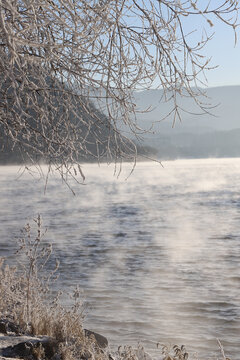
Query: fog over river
pixel 157 256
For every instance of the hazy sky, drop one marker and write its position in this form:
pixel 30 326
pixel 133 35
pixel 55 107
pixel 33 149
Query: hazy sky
pixel 223 53
pixel 222 49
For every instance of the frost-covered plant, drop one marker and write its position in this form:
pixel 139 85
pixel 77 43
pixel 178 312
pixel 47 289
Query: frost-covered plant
pixel 27 298
pixel 177 352
pixel 25 287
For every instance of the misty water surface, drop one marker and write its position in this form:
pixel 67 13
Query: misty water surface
pixel 157 256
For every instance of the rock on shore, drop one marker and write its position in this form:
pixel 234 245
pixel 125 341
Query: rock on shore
pixel 14 344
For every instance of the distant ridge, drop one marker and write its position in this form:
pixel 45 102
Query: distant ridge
pixel 226 113
pixel 196 136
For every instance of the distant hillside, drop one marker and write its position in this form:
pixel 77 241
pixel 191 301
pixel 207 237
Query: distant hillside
pixel 49 124
pixel 196 136
pixel 96 138
pixel 226 113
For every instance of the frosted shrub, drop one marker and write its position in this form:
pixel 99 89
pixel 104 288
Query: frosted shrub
pixel 27 298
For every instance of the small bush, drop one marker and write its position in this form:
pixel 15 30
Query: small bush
pixel 27 298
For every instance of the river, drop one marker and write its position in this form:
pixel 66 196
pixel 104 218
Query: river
pixel 157 256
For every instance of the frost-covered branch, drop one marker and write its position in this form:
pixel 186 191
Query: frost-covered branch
pixel 68 70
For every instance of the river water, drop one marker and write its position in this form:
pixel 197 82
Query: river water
pixel 157 256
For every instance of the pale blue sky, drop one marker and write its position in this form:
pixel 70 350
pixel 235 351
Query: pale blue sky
pixel 224 54
pixel 221 48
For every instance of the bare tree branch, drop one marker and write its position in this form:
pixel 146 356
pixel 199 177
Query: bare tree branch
pixel 69 68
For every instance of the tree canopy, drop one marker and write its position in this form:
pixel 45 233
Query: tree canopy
pixel 68 70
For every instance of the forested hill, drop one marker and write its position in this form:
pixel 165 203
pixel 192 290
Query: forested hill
pixel 96 137
pixel 44 120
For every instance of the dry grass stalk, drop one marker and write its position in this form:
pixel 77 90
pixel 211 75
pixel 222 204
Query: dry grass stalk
pixel 28 301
